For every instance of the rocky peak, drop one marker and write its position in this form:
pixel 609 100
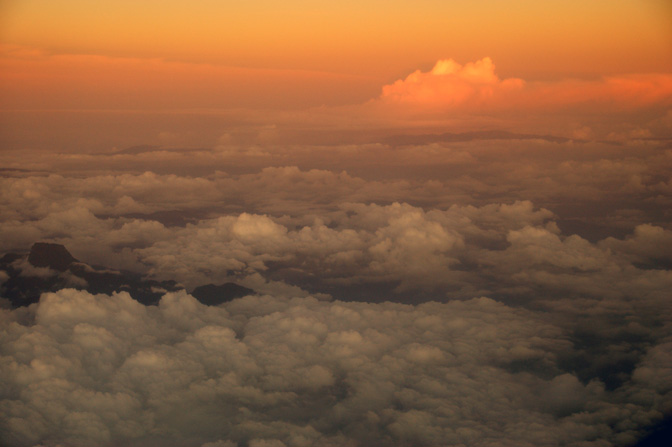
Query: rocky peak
pixel 213 295
pixel 54 256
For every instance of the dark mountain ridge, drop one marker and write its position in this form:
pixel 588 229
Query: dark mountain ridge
pixel 53 256
pixel 50 267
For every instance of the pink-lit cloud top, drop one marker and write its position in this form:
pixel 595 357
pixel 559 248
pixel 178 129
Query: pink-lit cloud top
pixel 475 86
pixel 451 85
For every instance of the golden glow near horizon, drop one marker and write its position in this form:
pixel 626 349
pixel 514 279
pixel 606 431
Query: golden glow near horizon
pixel 376 41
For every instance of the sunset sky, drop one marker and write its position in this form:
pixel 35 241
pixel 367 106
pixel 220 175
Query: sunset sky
pixel 263 59
pixel 453 221
pixel 79 54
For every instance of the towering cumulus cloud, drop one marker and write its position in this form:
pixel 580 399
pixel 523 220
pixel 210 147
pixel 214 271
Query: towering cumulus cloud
pixel 450 84
pixel 474 88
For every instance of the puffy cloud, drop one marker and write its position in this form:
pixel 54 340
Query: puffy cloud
pixel 323 230
pixel 474 86
pixel 649 245
pixel 261 370
pixel 360 244
pixel 450 84
pixel 25 268
pixel 436 173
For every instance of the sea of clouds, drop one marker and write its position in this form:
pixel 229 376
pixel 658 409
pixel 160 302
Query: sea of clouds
pixel 468 291
pixel 266 370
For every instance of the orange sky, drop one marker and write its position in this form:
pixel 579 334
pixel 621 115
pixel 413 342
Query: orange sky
pixel 363 37
pixel 598 69
pixel 77 53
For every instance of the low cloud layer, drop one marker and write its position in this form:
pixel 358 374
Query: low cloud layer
pixel 315 229
pixel 105 370
pixel 446 317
